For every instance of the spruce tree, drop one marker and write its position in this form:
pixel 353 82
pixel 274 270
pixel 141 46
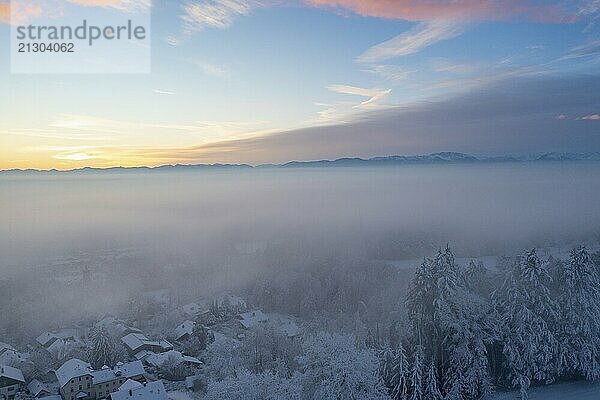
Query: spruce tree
pixel 102 350
pixel 579 300
pixel 528 314
pixel 431 389
pixel 416 378
pixel 396 373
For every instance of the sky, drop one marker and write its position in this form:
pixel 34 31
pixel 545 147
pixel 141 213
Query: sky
pixel 269 81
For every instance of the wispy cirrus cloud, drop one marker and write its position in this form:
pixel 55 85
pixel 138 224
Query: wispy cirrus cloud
pixel 422 35
pixel 390 73
pixel 457 10
pixel 163 92
pixel 488 120
pixel 345 111
pixel 375 96
pixel 591 117
pixel 585 50
pixel 198 15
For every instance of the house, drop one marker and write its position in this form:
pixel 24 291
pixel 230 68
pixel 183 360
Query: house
pixel 74 378
pixel 77 380
pixel 149 391
pixel 107 380
pixel 156 360
pixel 38 389
pixel 9 355
pixel 72 334
pixel 61 343
pixel 137 342
pixel 285 325
pixel 11 381
pixel 251 319
pixel 184 330
pixel 61 348
pixel 116 327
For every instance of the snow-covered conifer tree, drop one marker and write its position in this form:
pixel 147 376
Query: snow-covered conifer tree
pixel 396 373
pixel 579 300
pixel 416 376
pixel 528 314
pixel 432 391
pixel 102 350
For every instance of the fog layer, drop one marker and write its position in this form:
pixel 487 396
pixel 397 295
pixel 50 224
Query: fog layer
pixel 480 209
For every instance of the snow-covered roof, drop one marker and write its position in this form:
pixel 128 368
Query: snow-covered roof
pixel 62 347
pixel 150 391
pixel 72 368
pixel 185 328
pixel 6 346
pixel 11 373
pixel 136 340
pixel 128 370
pixel 115 326
pixel 157 360
pixel 9 355
pixel 46 338
pixel 51 397
pixel 36 388
pixel 130 384
pixel 67 334
pixel 252 318
pixel 143 354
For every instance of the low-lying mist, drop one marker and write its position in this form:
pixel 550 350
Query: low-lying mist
pixel 96 238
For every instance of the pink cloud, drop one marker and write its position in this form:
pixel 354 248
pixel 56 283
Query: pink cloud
pixel 4 13
pixel 95 3
pixel 467 10
pixel 20 15
pixel 25 11
pixel 592 117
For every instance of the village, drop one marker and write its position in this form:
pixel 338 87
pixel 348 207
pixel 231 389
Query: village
pixel 119 358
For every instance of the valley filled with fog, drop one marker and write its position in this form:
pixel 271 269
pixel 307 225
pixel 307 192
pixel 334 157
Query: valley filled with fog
pixel 201 214
pixel 333 249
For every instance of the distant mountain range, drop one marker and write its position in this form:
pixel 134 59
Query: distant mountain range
pixel 434 158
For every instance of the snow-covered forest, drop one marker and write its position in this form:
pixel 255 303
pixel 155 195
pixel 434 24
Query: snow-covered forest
pixel 356 332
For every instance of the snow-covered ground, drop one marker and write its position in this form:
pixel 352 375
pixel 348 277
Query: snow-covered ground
pixel 563 391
